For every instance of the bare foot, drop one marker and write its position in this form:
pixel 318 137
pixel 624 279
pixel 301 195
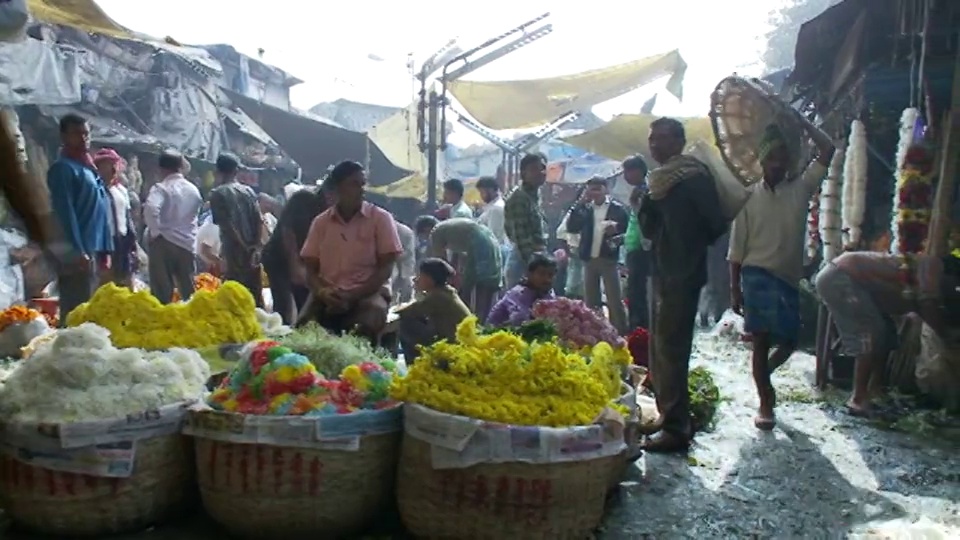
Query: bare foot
pixel 764 421
pixel 858 409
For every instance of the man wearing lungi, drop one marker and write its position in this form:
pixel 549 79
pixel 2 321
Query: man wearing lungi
pixel 766 257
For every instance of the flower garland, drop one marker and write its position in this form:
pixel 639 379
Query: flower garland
pixel 227 315
pixel 271 379
pixel 830 226
pixel 914 200
pixel 814 240
pixel 501 378
pixel 854 184
pixel 204 281
pixel 908 121
pixel 17 315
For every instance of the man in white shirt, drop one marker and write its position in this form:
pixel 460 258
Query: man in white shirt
pixel 766 258
pixel 492 213
pixel 170 213
pixel 601 223
pixel 453 198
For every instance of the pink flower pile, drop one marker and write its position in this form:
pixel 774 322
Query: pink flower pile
pixel 577 325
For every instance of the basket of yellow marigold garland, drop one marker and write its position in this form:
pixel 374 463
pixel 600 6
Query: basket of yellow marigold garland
pixel 283 451
pixel 505 438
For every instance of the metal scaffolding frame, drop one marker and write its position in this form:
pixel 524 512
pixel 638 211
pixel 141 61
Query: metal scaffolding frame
pixel 432 106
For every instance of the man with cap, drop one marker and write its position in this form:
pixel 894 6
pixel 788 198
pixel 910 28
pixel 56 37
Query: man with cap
pixel 766 256
pixel 234 209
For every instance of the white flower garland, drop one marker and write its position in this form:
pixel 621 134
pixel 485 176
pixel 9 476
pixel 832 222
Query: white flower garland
pixel 830 229
pixel 854 184
pixel 907 122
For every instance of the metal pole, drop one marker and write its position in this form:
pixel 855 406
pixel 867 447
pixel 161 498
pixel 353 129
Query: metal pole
pixel 433 106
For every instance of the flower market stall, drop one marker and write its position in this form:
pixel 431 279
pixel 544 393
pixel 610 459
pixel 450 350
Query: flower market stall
pixel 91 439
pixel 283 449
pixel 505 438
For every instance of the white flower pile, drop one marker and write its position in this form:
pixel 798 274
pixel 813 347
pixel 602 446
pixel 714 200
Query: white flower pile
pixel 81 376
pixel 272 324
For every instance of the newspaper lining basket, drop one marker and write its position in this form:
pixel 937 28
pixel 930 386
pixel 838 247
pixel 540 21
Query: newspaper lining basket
pixel 270 490
pixel 517 500
pixel 70 504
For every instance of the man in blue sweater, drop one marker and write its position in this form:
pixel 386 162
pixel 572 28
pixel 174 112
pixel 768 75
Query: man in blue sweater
pixel 82 208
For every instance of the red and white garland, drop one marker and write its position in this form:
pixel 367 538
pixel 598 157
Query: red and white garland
pixel 908 121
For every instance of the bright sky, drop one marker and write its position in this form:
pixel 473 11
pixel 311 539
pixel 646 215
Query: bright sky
pixel 330 44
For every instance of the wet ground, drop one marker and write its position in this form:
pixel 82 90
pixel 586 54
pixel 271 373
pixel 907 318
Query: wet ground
pixel 820 474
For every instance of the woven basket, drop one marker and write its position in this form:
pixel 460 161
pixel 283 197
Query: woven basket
pixel 67 504
pixel 264 491
pixel 554 501
pixel 740 111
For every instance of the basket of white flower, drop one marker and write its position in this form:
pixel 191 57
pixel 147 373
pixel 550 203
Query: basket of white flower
pixel 91 435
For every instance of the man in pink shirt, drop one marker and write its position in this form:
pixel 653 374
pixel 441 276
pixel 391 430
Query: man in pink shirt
pixel 349 252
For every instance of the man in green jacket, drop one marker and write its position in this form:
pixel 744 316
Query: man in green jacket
pixel 638 249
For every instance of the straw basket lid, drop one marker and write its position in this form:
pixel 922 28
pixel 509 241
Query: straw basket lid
pixel 740 111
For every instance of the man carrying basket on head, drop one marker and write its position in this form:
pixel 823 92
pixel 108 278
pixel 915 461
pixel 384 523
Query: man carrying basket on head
pixel 766 254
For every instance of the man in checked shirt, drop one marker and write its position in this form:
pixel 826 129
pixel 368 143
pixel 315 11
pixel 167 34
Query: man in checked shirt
pixel 524 221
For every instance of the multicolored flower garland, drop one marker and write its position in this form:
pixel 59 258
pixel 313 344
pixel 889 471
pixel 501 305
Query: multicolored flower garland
pixel 273 380
pixel 914 200
pixel 814 241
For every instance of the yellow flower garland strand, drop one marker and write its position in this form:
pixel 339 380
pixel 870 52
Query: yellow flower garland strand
pixel 501 378
pixel 137 319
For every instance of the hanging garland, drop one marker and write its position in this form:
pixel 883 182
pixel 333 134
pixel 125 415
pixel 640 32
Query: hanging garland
pixel 814 241
pixel 854 184
pixel 908 122
pixel 829 207
pixel 914 200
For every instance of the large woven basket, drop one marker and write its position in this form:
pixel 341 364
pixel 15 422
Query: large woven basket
pixel 64 504
pixel 740 111
pixel 264 491
pixel 554 501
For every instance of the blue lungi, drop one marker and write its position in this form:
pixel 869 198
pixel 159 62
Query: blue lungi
pixel 770 305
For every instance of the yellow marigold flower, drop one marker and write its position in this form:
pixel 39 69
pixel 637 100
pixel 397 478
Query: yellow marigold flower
pixel 501 378
pixel 137 319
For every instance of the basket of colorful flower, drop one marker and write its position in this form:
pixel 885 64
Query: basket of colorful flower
pixel 505 438
pixel 283 451
pixel 91 434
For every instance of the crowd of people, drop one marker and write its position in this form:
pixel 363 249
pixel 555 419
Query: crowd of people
pixel 334 258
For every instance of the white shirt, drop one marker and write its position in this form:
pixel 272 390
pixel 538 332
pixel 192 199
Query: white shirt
pixel 461 210
pixel 599 216
pixel 121 208
pixel 573 240
pixel 492 217
pixel 209 235
pixel 770 231
pixel 171 211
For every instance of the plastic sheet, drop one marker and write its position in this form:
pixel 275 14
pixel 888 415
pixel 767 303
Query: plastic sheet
pixel 38 73
pixel 11 275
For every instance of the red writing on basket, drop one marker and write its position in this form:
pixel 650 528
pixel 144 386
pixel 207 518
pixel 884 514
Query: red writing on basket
pixel 256 469
pixel 513 498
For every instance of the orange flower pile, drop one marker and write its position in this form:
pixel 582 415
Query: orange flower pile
pixel 16 315
pixel 203 282
pixel 206 282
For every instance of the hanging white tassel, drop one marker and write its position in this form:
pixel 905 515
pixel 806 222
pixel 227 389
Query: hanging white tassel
pixel 908 120
pixel 854 184
pixel 830 230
